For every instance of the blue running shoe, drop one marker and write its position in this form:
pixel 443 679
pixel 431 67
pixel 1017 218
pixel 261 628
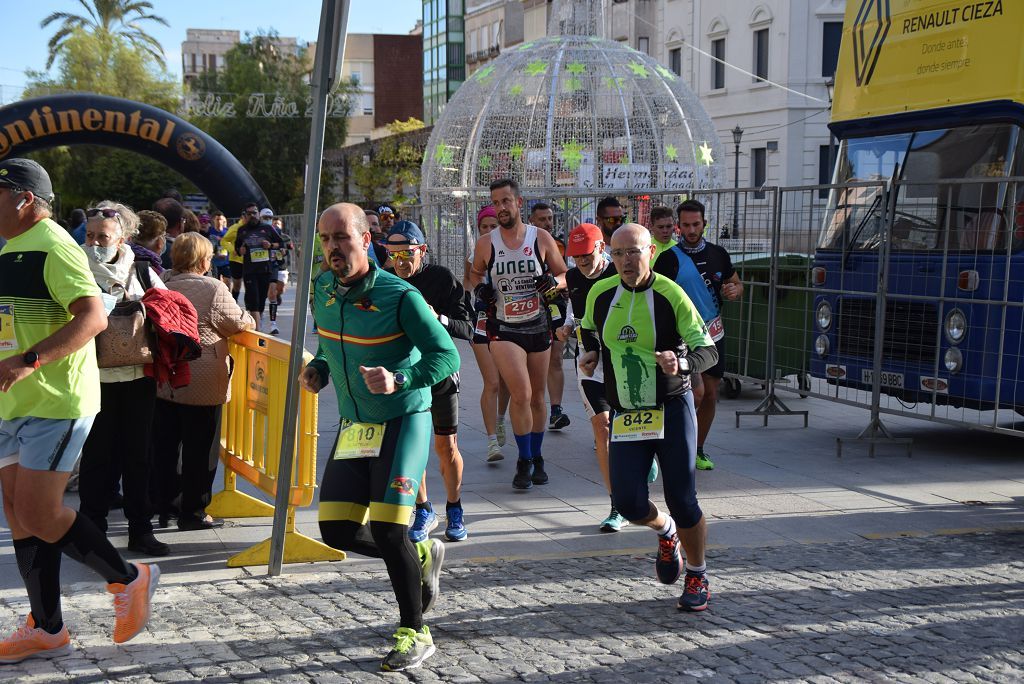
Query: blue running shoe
pixel 456 529
pixel 669 563
pixel 422 525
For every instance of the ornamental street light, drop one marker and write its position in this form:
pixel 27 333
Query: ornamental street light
pixel 737 136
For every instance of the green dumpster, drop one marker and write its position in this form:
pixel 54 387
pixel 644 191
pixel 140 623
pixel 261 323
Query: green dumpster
pixel 746 322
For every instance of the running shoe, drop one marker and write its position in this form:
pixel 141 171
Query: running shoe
pixel 652 474
pixel 274 329
pixel 494 452
pixel 540 476
pixel 669 564
pixel 696 593
pixel 132 602
pixel 558 420
pixel 456 529
pixel 411 649
pixel 423 524
pixel 431 558
pixel 703 462
pixel 524 474
pixel 30 641
pixel 614 522
pixel 500 433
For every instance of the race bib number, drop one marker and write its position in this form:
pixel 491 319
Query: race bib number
pixel 520 307
pixel 481 324
pixel 257 255
pixel 639 426
pixel 359 440
pixel 8 338
pixel 556 314
pixel 716 329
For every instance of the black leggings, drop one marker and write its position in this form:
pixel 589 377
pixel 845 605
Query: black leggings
pixel 630 462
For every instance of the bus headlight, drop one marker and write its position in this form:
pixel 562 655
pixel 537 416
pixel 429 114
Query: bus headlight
pixel 953 360
pixel 823 315
pixel 956 326
pixel 821 346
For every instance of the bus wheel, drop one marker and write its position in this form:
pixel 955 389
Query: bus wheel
pixel 731 388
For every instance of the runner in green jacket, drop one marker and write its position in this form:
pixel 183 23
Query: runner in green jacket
pixel 384 350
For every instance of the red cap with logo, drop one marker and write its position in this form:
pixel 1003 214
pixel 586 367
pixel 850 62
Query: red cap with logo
pixel 582 239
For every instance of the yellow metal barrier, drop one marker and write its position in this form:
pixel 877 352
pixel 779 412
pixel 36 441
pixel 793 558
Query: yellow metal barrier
pixel 250 438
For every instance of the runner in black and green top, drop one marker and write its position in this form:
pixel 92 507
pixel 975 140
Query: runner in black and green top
pixel 649 338
pixel 384 349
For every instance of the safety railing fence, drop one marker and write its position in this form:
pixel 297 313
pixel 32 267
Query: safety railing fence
pixel 903 298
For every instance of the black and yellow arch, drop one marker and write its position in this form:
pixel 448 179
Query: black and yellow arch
pixel 89 119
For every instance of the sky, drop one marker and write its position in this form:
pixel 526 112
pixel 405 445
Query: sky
pixel 24 42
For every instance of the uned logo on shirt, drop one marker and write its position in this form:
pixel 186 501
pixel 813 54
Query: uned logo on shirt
pixel 528 251
pixel 627 334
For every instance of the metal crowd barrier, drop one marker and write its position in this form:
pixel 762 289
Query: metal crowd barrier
pixel 251 430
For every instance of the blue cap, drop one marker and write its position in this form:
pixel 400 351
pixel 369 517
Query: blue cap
pixel 410 231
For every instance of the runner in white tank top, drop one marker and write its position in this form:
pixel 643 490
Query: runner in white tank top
pixel 513 273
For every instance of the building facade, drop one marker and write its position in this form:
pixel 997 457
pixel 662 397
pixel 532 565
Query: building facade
pixel 491 27
pixel 444 54
pixel 792 43
pixel 204 50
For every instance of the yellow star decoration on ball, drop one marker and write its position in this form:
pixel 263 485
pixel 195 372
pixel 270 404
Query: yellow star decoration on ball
pixel 485 73
pixel 705 154
pixel 443 154
pixel 665 73
pixel 517 89
pixel 516 151
pixel 671 153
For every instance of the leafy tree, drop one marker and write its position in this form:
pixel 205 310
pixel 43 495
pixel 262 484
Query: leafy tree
pixel 274 148
pixel 107 64
pixel 107 19
pixel 394 167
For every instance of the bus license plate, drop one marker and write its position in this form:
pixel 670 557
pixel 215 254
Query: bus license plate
pixel 889 379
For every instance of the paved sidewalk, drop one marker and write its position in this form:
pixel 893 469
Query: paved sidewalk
pixel 852 568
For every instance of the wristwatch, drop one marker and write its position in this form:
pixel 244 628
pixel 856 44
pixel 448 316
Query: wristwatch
pixel 400 380
pixel 684 365
pixel 31 359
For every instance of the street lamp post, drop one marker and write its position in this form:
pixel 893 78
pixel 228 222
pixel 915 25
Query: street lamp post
pixel 830 87
pixel 737 135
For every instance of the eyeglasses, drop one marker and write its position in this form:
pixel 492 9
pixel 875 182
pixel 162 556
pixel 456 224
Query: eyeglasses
pixel 105 213
pixel 632 253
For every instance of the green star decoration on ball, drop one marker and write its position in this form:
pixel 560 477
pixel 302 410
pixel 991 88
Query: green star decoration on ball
pixel 517 89
pixel 667 74
pixel 705 154
pixel 485 73
pixel 536 68
pixel 614 83
pixel 638 69
pixel 572 84
pixel 671 153
pixel 572 155
pixel 575 68
pixel 516 151
pixel 443 154
pixel 484 162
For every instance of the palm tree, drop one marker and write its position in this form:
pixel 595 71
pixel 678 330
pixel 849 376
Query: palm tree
pixel 112 17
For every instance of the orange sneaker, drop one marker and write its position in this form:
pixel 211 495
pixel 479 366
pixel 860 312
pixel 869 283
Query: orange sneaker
pixel 28 641
pixel 132 602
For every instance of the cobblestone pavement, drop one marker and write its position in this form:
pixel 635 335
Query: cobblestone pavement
pixel 928 609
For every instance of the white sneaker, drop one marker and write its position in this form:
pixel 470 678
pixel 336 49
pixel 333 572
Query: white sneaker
pixel 494 452
pixel 273 329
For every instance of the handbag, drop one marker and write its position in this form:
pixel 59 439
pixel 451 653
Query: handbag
pixel 128 339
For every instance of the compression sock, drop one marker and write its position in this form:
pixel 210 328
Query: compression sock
pixel 404 562
pixel 525 442
pixel 39 564
pixel 85 543
pixel 536 438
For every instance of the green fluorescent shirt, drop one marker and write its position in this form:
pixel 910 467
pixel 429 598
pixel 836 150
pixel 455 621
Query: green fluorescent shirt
pixel 659 248
pixel 380 321
pixel 42 272
pixel 630 326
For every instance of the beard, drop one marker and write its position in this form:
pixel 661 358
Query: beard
pixel 507 220
pixel 344 268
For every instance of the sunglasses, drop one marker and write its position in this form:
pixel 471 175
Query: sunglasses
pixel 404 254
pixel 105 213
pixel 613 219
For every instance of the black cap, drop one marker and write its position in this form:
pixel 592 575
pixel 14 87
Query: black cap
pixel 26 175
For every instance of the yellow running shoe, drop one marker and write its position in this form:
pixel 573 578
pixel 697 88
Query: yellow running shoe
pixel 29 641
pixel 132 602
